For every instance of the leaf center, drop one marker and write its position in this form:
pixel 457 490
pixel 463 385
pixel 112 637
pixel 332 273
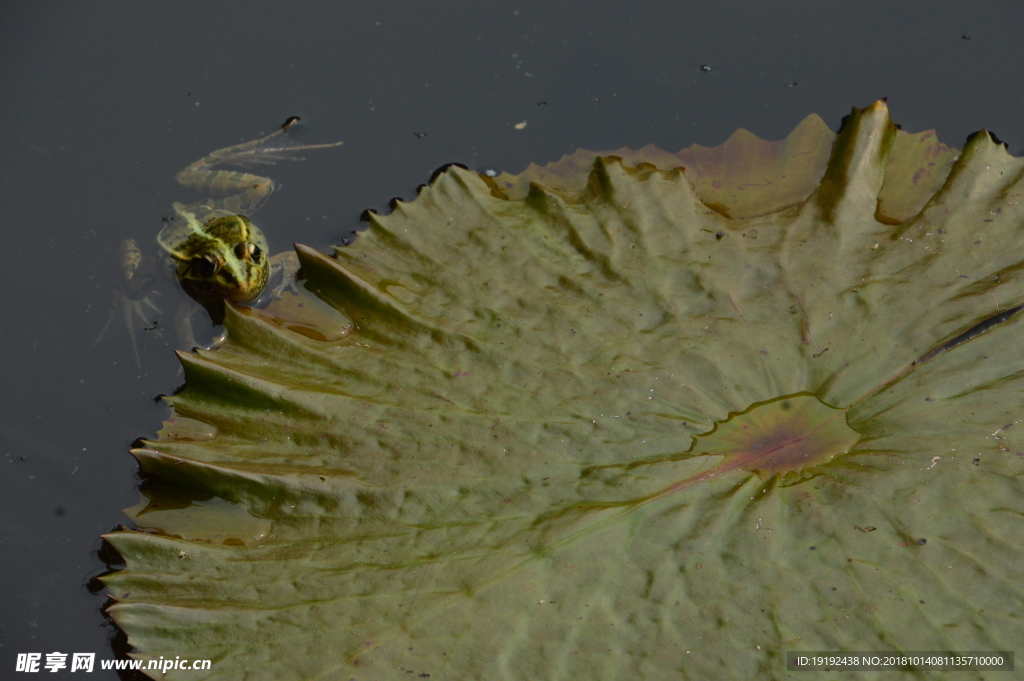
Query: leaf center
pixel 787 434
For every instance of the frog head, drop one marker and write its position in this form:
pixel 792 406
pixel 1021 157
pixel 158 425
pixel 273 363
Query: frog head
pixel 226 259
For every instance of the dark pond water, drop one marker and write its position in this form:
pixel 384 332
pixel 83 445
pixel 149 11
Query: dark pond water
pixel 102 105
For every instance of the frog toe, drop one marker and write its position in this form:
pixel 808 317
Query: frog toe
pixel 286 285
pixel 150 304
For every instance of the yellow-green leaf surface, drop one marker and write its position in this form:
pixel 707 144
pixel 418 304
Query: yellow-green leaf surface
pixel 610 432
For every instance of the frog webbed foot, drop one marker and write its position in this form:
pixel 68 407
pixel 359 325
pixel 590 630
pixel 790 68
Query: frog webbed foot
pixel 290 285
pixel 131 311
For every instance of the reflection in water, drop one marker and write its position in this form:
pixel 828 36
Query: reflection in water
pixel 213 520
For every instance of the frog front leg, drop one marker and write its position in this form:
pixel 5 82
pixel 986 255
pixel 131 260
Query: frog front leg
pixel 285 265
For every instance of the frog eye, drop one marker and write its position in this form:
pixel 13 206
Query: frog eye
pixel 205 266
pixel 254 252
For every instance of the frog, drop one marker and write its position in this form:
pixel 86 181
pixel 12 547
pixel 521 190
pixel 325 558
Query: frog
pixel 210 247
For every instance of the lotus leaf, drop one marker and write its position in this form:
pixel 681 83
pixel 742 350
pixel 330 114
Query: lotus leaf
pixel 618 426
